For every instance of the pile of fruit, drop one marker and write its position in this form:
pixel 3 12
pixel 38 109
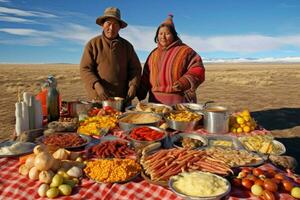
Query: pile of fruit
pixel 242 122
pixel 266 183
pixel 58 172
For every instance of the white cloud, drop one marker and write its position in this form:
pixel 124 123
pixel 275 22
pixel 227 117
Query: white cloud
pixel 74 32
pixel 15 19
pixel 23 31
pixel 141 37
pixel 23 13
pixel 4 1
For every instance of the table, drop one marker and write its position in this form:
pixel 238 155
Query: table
pixel 15 186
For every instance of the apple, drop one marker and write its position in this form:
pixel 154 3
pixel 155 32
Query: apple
pixel 295 192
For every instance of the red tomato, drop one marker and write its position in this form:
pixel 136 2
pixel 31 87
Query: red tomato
pixel 257 171
pixel 247 183
pixel 270 185
pixel 277 181
pixel 247 170
pixel 267 195
pixel 252 177
pixel 279 176
pixel 287 185
pixel 236 182
pixel 259 182
pixel 271 173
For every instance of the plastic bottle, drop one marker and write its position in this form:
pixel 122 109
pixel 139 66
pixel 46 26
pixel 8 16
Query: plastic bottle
pixel 52 100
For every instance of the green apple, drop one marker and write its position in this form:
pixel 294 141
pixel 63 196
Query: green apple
pixel 295 192
pixel 52 193
pixel 65 189
pixel 57 180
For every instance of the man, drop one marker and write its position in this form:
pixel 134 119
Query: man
pixel 109 65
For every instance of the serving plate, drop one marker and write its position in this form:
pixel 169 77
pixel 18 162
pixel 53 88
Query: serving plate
pixel 279 147
pixel 17 153
pixel 213 141
pixel 106 139
pixel 86 138
pixel 177 137
pixel 185 196
pixel 119 182
pixel 150 107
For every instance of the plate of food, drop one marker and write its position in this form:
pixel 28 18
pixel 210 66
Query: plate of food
pixel 15 148
pixel 111 147
pixel 112 170
pixel 160 165
pixel 199 185
pixel 235 157
pixel 65 140
pixel 224 141
pixel 263 144
pixel 189 140
pixel 150 107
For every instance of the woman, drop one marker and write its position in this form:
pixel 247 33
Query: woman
pixel 173 70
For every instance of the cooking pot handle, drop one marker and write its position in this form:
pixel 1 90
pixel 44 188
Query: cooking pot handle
pixel 205 104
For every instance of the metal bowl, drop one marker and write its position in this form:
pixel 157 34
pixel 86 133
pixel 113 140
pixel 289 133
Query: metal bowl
pixel 229 141
pixel 184 196
pixel 181 125
pixel 127 126
pixel 176 138
pixel 152 105
pixel 190 106
pixel 140 144
pixel 115 102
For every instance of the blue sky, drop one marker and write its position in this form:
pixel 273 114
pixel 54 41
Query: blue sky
pixel 55 31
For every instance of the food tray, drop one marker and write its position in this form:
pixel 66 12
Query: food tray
pixel 148 179
pixel 119 182
pixel 85 137
pixel 9 143
pixel 128 125
pixel 184 196
pixel 133 108
pixel 109 138
pixel 177 137
pixel 279 145
pixel 236 144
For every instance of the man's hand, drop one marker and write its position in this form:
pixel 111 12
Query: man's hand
pixel 131 93
pixel 102 95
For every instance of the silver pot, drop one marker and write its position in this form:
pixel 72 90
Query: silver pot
pixel 115 102
pixel 216 119
pixel 75 108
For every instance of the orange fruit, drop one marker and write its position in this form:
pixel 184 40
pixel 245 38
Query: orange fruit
pixel 246 129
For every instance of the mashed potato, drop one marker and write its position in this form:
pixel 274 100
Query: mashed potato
pixel 199 184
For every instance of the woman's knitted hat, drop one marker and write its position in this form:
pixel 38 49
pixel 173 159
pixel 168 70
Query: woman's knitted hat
pixel 169 21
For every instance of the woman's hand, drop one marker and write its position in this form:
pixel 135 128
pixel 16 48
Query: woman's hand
pixel 177 87
pixel 102 95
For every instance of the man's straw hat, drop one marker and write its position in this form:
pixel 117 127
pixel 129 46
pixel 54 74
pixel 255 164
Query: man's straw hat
pixel 113 13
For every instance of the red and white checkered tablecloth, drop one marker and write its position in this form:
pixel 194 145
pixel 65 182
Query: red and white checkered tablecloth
pixel 15 186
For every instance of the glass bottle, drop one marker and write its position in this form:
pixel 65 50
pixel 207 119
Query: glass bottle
pixel 52 100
